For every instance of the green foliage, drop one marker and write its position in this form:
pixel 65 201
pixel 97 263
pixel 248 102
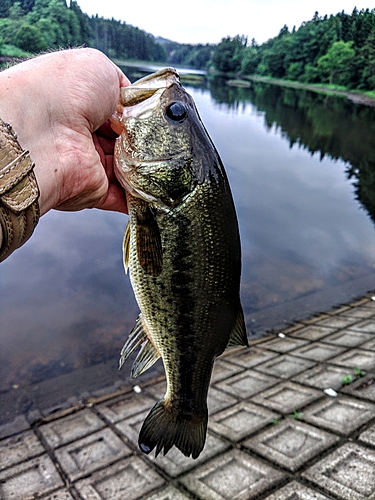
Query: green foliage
pixel 196 56
pixel 339 50
pixel 335 66
pixel 29 38
pixel 51 24
pixel 347 379
pixel 16 11
pixel 228 54
pixel 297 415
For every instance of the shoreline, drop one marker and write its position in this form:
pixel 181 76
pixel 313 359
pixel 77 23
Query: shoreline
pixel 355 96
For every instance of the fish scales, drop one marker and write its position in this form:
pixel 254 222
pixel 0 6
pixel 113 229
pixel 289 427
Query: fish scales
pixel 182 248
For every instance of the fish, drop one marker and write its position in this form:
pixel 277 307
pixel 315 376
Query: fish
pixel 182 249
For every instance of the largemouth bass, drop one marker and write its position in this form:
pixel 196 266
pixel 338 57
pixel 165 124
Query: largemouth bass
pixel 182 248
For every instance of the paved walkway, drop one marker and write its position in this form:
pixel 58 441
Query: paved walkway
pixel 293 417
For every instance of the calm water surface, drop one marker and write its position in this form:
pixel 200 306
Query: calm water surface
pixel 302 171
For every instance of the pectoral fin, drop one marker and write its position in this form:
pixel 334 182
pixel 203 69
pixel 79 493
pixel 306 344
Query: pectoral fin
pixel 238 335
pixel 149 249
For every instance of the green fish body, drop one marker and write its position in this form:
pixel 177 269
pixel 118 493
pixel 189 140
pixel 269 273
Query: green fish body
pixel 182 248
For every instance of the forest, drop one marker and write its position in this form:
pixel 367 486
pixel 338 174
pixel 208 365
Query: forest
pixel 33 26
pixel 335 50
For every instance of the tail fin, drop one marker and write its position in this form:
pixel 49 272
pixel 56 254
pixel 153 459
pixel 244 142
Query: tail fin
pixel 163 429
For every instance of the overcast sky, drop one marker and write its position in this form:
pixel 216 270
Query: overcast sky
pixel 208 21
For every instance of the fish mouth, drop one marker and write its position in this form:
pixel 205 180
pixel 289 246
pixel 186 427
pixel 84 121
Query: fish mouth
pixel 146 87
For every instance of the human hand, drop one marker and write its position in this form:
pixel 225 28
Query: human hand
pixel 59 104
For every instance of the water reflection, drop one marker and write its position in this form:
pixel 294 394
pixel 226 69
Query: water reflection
pixel 297 163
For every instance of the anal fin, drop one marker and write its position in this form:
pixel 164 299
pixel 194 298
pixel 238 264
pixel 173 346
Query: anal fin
pixel 148 354
pixel 136 337
pixel 238 335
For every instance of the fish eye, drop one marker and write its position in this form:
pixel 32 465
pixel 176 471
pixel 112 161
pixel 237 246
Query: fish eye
pixel 176 112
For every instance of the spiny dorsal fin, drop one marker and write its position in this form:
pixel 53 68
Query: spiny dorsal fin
pixel 126 247
pixel 136 337
pixel 149 248
pixel 238 335
pixel 147 356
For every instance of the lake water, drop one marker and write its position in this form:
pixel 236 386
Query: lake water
pixel 302 171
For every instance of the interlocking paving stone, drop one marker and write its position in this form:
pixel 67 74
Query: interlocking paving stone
pixel 223 369
pixel 125 406
pixel 319 351
pixel 240 420
pixel 59 495
pixel 245 385
pixel 248 358
pixel 323 376
pixel 338 322
pixel 35 477
pixel 362 388
pixel 348 338
pixel 359 312
pixel 131 426
pixel 174 463
pixel 169 493
pixel 356 358
pixel 296 491
pixel 157 391
pixel 313 332
pixel 367 326
pixel 18 448
pixel 348 473
pixel 341 414
pixel 232 475
pixel 86 455
pixel 18 424
pixel 315 319
pixel 285 366
pixel 368 436
pixel 129 479
pixel 284 345
pixel 218 400
pixel 370 345
pixel 291 443
pixel 287 396
pixel 67 429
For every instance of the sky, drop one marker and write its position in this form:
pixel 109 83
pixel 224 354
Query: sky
pixel 208 21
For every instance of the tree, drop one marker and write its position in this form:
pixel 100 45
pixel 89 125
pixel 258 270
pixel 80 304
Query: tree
pixel 29 38
pixel 16 11
pixel 250 60
pixel 228 53
pixel 335 66
pixel 366 63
